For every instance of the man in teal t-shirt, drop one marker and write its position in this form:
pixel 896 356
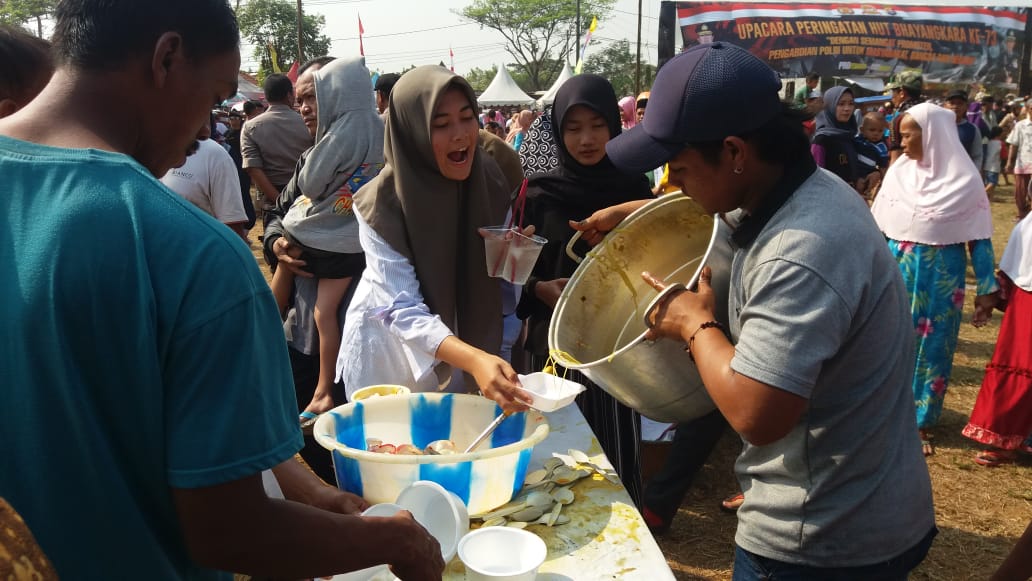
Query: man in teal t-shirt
pixel 146 379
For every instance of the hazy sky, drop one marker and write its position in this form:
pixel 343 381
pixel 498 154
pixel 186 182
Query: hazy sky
pixel 400 33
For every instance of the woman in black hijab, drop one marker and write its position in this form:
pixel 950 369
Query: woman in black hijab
pixel 585 116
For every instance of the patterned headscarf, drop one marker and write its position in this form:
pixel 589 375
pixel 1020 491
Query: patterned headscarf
pixel 539 153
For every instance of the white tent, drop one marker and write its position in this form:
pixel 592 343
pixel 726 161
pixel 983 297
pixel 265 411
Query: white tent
pixel 503 91
pixel 549 96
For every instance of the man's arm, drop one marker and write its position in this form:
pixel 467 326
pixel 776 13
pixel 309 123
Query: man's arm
pixel 1012 154
pixel 274 219
pixel 1018 564
pixel 224 192
pixel 251 156
pixel 595 226
pixel 261 181
pixel 895 149
pixel 300 484
pixel 238 227
pixel 975 149
pixel 236 527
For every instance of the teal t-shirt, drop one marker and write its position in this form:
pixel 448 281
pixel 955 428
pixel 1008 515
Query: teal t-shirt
pixel 141 350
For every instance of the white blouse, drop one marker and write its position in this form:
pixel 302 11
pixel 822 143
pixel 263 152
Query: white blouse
pixel 390 336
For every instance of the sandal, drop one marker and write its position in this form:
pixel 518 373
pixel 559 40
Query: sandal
pixel 657 525
pixel 927 447
pixel 307 421
pixel 993 458
pixel 731 503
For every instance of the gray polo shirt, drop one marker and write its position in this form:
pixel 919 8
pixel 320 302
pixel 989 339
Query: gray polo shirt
pixel 818 309
pixel 274 142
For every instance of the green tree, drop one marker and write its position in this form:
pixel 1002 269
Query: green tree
pixel 539 34
pixel 274 22
pixel 616 63
pixel 479 79
pixel 21 12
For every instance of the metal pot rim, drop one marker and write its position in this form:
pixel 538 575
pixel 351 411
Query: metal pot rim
pixel 637 215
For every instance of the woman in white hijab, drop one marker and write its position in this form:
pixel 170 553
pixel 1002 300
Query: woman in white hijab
pixel 1002 416
pixel 933 210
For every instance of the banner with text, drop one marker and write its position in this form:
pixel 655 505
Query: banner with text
pixel 949 44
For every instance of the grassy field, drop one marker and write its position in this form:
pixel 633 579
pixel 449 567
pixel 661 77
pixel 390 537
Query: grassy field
pixel 980 511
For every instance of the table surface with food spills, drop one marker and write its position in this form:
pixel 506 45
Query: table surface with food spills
pixel 597 535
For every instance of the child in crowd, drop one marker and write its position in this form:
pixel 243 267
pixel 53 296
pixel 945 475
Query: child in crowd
pixel 991 165
pixel 872 154
pixel 814 103
pixel 348 153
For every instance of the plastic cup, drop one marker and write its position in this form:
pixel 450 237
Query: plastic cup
pixel 502 554
pixel 510 255
pixel 496 248
pixel 523 254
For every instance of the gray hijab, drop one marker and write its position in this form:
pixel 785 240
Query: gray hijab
pixel 349 134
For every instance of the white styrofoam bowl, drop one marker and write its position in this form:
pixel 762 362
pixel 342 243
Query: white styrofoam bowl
pixel 502 554
pixel 483 479
pixel 440 512
pixel 550 392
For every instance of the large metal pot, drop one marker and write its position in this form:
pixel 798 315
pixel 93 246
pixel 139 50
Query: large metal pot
pixel 598 328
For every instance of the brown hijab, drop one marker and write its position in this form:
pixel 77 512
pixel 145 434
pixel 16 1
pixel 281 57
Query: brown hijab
pixel 432 220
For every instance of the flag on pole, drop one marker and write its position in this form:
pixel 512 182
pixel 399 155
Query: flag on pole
pixel 274 57
pixel 292 73
pixel 361 31
pixel 584 49
pixel 451 54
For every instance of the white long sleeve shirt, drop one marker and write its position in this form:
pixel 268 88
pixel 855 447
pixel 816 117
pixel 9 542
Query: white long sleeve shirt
pixel 390 336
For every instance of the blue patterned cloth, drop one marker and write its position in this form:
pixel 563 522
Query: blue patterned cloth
pixel 934 277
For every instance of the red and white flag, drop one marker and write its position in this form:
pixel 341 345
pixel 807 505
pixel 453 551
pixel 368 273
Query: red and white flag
pixel 361 31
pixel 451 54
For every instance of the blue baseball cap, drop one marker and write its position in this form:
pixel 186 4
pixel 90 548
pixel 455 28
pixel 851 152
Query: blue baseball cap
pixel 706 93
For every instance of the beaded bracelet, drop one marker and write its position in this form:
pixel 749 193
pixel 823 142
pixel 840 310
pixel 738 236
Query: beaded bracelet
pixel 691 340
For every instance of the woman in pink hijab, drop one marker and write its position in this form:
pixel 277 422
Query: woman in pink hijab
pixel 627 113
pixel 519 129
pixel 933 210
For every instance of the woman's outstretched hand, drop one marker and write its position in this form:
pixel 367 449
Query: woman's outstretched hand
pixel 595 226
pixel 498 381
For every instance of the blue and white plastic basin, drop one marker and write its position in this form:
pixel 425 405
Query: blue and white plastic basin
pixel 483 479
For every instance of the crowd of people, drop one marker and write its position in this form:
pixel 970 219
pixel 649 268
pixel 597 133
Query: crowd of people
pixel 176 383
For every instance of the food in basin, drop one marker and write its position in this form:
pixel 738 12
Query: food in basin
pixel 483 479
pixel 379 391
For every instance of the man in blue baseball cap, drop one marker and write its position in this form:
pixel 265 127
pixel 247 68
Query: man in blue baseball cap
pixel 816 374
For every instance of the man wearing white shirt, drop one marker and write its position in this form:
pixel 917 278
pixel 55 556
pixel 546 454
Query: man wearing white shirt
pixel 209 181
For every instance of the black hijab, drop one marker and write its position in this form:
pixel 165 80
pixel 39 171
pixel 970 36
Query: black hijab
pixel 586 189
pixel 827 125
